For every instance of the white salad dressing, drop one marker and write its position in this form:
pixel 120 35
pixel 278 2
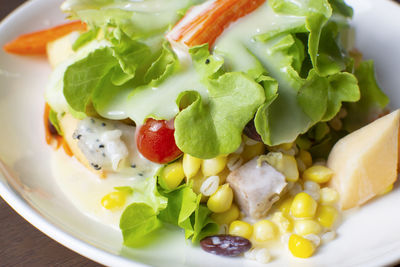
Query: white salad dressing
pixel 239 36
pixel 157 101
pixel 85 189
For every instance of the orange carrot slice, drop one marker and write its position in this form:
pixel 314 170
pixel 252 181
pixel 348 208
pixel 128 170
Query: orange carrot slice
pixel 35 43
pixel 204 23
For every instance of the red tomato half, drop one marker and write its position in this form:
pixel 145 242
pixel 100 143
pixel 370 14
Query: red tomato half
pixel 155 141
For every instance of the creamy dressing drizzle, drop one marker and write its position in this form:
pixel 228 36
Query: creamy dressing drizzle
pixel 85 189
pixel 156 101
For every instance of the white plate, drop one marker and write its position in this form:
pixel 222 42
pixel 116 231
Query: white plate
pixel 369 238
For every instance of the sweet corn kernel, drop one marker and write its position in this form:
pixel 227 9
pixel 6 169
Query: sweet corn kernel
pixel 285 205
pixel 285 164
pixel 286 146
pixel 241 228
pixel 306 227
pixel 226 217
pixel 305 157
pixel 191 165
pixel 264 230
pixel 303 206
pixel 328 196
pixel 249 152
pixel 211 167
pixel 282 221
pixel 317 173
pixel 327 215
pixel 221 200
pixel 301 247
pixel 114 200
pixel 172 175
pixel 387 190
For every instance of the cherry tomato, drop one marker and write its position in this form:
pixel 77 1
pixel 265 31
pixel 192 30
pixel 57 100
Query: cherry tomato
pixel 155 141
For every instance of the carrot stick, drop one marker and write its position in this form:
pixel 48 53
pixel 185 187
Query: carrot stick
pixel 35 43
pixel 204 23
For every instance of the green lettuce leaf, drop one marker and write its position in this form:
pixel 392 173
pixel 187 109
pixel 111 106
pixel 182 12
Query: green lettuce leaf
pixel 184 210
pixel 82 77
pixel 372 102
pixel 53 117
pixel 208 128
pixel 322 97
pixel 139 220
pixel 133 17
pixel 85 38
pixel 182 203
pixel 203 224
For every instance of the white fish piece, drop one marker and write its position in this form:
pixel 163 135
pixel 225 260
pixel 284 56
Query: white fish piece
pixel 256 187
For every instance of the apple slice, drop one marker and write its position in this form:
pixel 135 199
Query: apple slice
pixel 365 162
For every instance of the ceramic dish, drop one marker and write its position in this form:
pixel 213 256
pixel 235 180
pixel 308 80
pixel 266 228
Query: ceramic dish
pixel 369 237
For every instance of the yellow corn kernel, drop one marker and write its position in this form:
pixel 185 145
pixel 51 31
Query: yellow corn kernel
pixel 285 164
pixel 114 200
pixel 285 205
pixel 301 247
pixel 191 165
pixel 327 215
pixel 241 228
pixel 221 200
pixel 197 181
pixel 172 175
pixel 264 230
pixel 303 206
pixel 285 146
pixel 211 167
pixel 387 190
pixel 305 156
pixel 328 195
pixel 317 173
pixel 290 169
pixel 226 217
pixel 249 152
pixel 282 221
pixel 306 227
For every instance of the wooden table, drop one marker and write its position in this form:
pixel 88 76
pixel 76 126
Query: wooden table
pixel 21 244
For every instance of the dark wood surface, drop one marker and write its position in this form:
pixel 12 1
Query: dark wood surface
pixel 21 244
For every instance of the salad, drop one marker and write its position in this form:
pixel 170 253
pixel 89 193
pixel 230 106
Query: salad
pixel 244 123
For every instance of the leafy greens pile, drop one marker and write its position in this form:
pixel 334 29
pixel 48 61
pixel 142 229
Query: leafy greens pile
pixel 299 77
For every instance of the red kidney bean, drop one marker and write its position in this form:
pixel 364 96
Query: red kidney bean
pixel 251 132
pixel 225 245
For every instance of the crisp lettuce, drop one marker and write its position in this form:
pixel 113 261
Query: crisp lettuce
pixel 372 102
pixel 154 205
pixel 301 50
pixel 139 220
pixel 206 129
pixel 135 18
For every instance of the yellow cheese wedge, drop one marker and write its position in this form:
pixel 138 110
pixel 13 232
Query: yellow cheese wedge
pixel 68 124
pixel 365 161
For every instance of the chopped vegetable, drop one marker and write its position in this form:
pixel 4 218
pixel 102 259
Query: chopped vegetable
pixel 35 43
